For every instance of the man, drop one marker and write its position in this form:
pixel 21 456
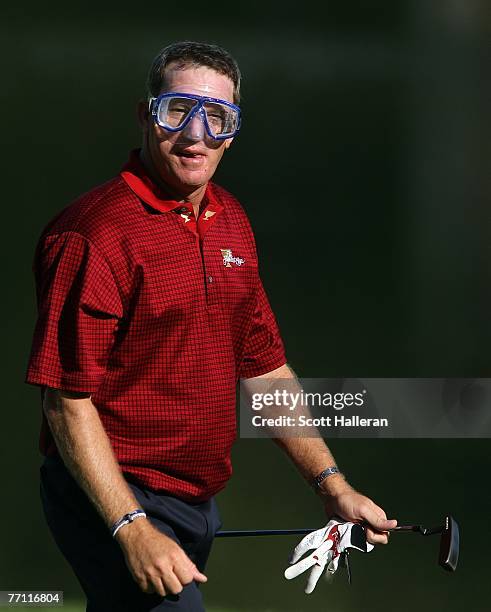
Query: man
pixel 150 311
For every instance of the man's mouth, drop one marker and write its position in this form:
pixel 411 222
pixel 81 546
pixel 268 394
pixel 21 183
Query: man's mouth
pixel 190 155
pixel 191 160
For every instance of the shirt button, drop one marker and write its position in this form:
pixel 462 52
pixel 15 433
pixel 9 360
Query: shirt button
pixel 210 279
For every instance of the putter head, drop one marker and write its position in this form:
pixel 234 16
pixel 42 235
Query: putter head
pixel 449 545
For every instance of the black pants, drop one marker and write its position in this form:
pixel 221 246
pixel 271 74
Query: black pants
pixel 97 558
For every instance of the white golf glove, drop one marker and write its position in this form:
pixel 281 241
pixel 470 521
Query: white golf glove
pixel 327 544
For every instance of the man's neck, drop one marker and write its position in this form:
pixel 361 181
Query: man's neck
pixel 194 198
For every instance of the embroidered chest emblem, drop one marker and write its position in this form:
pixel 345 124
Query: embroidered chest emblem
pixel 185 217
pixel 208 214
pixel 229 259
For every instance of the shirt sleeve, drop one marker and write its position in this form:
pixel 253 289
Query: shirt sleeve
pixel 264 350
pixel 79 307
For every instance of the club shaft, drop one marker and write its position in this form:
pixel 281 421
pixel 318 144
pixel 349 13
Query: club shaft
pixel 240 533
pixel 406 528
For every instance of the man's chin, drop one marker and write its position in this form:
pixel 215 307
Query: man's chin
pixel 192 180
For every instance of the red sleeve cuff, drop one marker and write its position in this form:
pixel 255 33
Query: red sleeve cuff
pixel 249 370
pixel 70 382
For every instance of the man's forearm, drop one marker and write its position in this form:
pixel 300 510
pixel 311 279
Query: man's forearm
pixel 156 562
pixel 87 453
pixel 309 454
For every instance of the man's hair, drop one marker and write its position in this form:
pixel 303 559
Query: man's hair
pixel 194 54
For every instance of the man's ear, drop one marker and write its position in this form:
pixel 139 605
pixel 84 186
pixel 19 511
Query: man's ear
pixel 143 114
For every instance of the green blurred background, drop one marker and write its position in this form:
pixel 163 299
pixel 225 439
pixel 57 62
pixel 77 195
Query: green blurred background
pixel 363 164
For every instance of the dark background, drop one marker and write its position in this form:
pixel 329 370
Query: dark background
pixel 363 164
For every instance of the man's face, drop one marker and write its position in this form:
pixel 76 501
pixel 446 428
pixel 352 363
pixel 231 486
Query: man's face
pixel 187 160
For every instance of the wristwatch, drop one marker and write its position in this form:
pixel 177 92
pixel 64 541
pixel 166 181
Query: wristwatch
pixel 325 474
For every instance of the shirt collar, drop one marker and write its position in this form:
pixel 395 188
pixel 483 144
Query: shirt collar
pixel 136 177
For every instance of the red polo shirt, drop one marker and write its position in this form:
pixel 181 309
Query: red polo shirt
pixel 157 314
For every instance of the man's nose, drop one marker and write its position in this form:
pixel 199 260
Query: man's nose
pixel 195 129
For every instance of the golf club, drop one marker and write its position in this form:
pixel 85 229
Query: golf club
pixel 449 540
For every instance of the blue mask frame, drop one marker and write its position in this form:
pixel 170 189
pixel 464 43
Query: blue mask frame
pixel 153 105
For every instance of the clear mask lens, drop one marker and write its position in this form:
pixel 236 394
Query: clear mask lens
pixel 172 112
pixel 221 119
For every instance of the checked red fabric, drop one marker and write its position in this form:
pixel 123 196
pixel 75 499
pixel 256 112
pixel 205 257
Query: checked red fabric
pixel 157 315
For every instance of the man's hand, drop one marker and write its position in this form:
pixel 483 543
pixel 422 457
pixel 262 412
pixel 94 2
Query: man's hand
pixel 342 500
pixel 157 563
